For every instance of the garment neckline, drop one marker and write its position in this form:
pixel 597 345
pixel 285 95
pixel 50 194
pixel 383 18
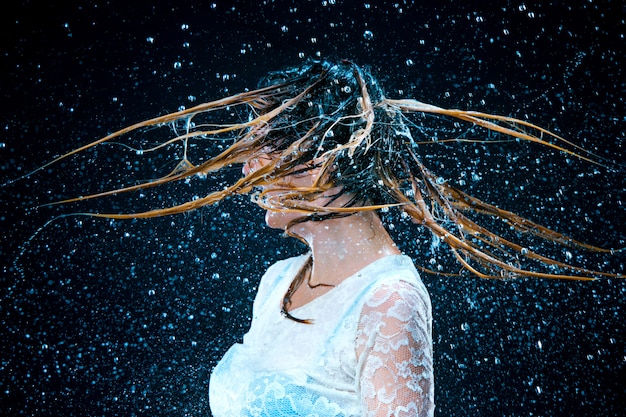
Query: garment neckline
pixel 348 279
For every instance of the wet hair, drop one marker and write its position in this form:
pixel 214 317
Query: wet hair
pixel 359 143
pixel 333 116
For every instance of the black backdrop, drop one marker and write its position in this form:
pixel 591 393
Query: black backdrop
pixel 128 318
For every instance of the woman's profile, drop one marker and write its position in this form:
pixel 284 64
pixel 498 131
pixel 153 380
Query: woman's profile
pixel 346 328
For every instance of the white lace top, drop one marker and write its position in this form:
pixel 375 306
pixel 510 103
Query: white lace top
pixel 368 352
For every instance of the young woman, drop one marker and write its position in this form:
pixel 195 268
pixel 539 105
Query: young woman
pixel 352 335
pixel 345 329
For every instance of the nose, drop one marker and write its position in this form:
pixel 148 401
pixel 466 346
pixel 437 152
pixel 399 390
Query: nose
pixel 245 170
pixel 250 166
pixel 255 163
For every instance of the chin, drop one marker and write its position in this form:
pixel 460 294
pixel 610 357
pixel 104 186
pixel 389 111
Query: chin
pixel 275 220
pixel 279 220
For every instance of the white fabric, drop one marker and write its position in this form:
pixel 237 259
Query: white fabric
pixel 368 352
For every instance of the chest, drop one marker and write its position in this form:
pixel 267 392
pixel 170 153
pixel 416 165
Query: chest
pixel 327 342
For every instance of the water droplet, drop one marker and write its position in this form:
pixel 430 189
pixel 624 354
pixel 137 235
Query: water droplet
pixel 368 35
pixel 177 65
pixel 409 62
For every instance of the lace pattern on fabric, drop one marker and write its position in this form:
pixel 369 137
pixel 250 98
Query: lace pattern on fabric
pixel 368 352
pixel 395 353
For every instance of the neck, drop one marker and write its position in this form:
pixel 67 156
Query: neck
pixel 343 246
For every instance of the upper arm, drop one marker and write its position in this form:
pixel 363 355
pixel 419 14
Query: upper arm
pixel 394 351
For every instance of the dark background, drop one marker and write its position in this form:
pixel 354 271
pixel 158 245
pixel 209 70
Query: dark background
pixel 107 318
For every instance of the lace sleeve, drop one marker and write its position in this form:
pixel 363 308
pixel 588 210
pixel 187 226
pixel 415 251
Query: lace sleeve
pixel 394 351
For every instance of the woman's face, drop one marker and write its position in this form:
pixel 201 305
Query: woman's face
pixel 280 219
